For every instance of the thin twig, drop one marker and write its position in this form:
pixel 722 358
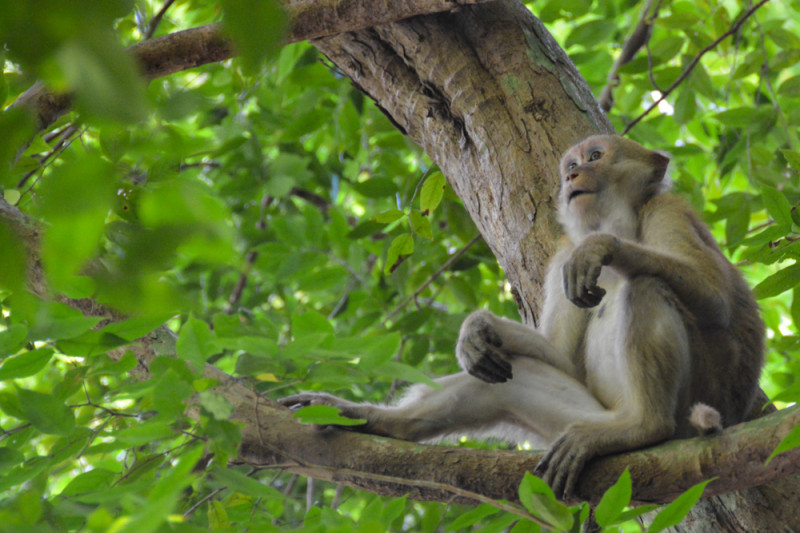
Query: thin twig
pixel 432 278
pixel 67 138
pixel 638 38
pixel 154 22
pixel 732 30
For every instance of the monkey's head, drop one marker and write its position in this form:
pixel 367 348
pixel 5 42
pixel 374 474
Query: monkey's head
pixel 605 180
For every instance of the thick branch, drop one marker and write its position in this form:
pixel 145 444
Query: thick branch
pixel 310 19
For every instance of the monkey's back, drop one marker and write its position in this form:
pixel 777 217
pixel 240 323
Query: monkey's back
pixel 726 358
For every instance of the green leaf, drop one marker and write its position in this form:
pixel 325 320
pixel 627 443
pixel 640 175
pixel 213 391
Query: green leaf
pixel 738 117
pixel 105 78
pixel 323 415
pixel 18 126
pixel 141 434
pixel 25 364
pixel 75 200
pixel 539 499
pixel 472 517
pixel 420 225
pixel 90 343
pixel 614 501
pixel 235 480
pixel 789 442
pixel 431 194
pixel 12 339
pixel 10 457
pixel 402 247
pixel 196 343
pixel 257 28
pixel 216 404
pixel 402 371
pixel 163 497
pixel 777 206
pixel 781 281
pixel 793 158
pixel 93 481
pixel 46 413
pixel 389 216
pixel 376 187
pixel 674 513
pixel 364 229
pixel 134 328
pixel 62 322
pixel 790 88
pixel 590 33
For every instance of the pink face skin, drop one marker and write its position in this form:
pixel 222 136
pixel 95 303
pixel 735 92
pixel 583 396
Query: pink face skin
pixel 579 168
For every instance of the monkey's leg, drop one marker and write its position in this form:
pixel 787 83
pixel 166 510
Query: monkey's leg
pixel 541 401
pixel 488 343
pixel 652 387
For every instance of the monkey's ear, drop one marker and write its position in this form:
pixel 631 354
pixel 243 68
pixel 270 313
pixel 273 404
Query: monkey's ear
pixel 660 161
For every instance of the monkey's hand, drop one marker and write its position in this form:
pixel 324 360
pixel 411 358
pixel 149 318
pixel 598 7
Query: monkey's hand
pixel 564 461
pixel 582 270
pixel 479 349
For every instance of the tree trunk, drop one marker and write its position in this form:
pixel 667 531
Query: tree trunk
pixel 494 101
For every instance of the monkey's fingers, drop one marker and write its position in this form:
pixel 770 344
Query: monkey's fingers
pixel 561 466
pixel 491 368
pixel 304 399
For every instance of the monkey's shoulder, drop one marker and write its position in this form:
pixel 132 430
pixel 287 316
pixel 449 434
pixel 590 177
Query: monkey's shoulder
pixel 668 218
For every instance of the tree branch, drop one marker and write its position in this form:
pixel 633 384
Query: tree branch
pixel 179 51
pixel 639 37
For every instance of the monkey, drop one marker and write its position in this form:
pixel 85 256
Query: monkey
pixel 647 332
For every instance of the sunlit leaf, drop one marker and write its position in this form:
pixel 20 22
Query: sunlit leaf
pixel 46 413
pixel 789 442
pixel 325 415
pixel 614 501
pixel 402 246
pixel 674 513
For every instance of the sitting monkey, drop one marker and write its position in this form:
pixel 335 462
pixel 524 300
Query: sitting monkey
pixel 644 322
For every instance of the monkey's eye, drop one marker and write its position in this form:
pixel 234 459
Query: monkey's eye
pixel 595 155
pixel 571 165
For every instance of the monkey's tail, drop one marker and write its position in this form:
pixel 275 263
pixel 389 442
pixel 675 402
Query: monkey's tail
pixel 705 419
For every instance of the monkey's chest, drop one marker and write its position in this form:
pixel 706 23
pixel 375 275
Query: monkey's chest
pixel 605 356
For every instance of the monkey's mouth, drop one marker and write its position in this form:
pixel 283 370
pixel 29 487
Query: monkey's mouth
pixel 578 192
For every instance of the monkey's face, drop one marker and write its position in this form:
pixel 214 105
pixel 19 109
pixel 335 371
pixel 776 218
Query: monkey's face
pixel 586 176
pixel 604 173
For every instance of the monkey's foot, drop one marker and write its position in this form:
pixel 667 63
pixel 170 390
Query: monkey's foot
pixel 563 463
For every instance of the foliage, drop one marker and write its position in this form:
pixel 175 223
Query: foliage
pixel 275 219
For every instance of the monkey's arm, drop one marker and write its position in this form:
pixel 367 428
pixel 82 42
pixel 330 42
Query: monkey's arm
pixel 673 247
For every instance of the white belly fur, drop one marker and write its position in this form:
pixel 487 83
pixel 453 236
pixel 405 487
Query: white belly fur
pixel 606 367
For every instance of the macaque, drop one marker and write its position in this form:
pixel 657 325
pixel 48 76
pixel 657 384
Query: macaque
pixel 647 332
